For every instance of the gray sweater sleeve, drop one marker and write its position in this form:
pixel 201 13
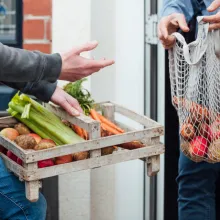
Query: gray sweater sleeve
pixel 33 73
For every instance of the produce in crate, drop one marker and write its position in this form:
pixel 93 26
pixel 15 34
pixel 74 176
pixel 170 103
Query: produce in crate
pixel 19 161
pixel 45 144
pixel 12 156
pixel 45 124
pixel 10 133
pixel 45 163
pixel 36 137
pixel 80 155
pixel 83 96
pixel 22 129
pixel 41 121
pixel 110 128
pixel 25 141
pixel 63 159
pixel 3 150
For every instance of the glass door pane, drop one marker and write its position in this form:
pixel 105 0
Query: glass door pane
pixel 7 20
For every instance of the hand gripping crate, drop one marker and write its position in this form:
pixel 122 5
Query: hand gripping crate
pixel 32 175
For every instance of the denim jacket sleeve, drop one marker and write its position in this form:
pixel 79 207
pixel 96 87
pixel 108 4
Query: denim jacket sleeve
pixel 178 6
pixel 33 73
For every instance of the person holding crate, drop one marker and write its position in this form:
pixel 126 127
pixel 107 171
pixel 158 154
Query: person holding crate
pixel 196 181
pixel 36 74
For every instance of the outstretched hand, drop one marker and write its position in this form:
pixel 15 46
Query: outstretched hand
pixel 75 67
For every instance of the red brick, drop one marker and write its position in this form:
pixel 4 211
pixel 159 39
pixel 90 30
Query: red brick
pixel 49 30
pixel 37 7
pixel 45 48
pixel 33 29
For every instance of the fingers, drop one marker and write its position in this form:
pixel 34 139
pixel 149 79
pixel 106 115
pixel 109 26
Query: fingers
pixel 86 47
pixel 163 29
pixel 98 64
pixel 69 109
pixel 67 102
pixel 212 18
pixel 182 23
pixel 74 104
pixel 169 45
pixel 215 5
pixel 169 25
pixel 214 26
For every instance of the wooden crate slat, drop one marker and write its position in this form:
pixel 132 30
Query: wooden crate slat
pixel 144 120
pixel 13 166
pixel 94 162
pixel 92 144
pixel 82 121
pixel 18 151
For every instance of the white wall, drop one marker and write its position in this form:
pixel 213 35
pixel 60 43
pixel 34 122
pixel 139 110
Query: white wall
pixel 118 25
pixel 71 27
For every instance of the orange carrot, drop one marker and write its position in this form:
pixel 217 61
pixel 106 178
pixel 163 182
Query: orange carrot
pixel 132 145
pixel 109 123
pixel 78 130
pixel 85 135
pixel 94 115
pixel 110 129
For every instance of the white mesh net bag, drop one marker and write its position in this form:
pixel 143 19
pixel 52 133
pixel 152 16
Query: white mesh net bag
pixel 195 86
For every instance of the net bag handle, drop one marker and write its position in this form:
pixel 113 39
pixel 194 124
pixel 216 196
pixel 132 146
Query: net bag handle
pixel 199 46
pixel 216 38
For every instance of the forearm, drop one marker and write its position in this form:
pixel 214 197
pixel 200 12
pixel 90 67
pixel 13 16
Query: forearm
pixel 17 65
pixel 43 90
pixel 178 6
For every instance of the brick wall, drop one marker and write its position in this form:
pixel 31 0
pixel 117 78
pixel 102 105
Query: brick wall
pixel 37 25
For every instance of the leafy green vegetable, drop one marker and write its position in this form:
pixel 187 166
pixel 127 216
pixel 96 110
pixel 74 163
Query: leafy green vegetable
pixel 83 96
pixel 41 121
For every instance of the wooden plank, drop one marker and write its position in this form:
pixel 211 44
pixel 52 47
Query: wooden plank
pixel 126 128
pixel 82 121
pixel 32 187
pixel 153 163
pixel 91 163
pixel 95 133
pixel 13 166
pixel 18 151
pixel 144 120
pixel 7 122
pixel 93 144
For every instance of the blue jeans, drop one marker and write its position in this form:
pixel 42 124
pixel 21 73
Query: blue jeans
pixel 13 203
pixel 197 184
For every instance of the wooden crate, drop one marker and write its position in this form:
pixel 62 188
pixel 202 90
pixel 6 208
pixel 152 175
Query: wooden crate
pixel 31 174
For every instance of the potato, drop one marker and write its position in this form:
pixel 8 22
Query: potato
pixel 80 155
pixel 107 150
pixel 45 144
pixel 25 141
pixel 22 129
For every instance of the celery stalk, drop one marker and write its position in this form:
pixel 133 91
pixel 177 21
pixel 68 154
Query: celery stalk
pixel 36 128
pixel 42 121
